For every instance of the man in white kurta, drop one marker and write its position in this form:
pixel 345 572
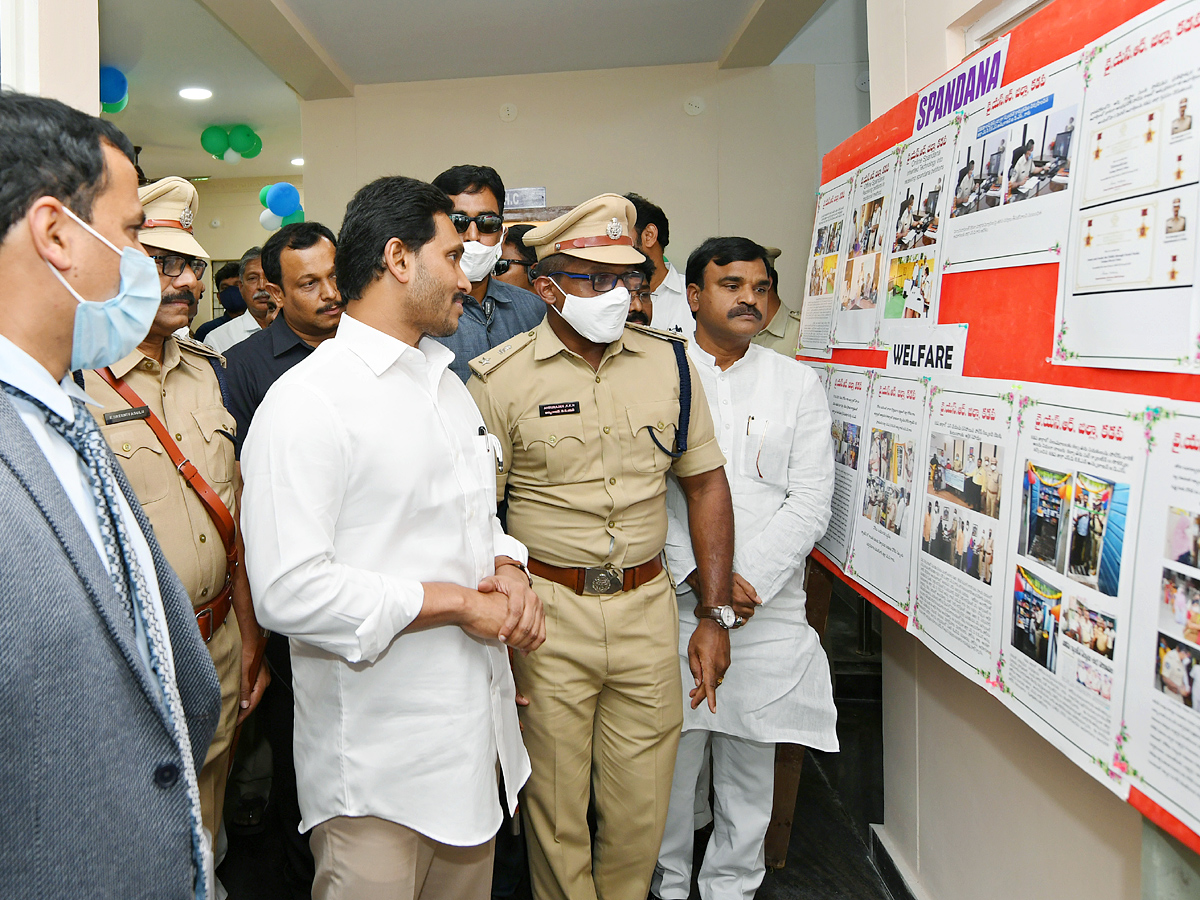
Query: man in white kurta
pixel 373 544
pixel 773 425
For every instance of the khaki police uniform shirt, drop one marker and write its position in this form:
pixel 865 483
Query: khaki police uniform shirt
pixel 184 393
pixel 782 333
pixel 586 484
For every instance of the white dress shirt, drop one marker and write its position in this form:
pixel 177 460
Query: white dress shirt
pixel 671 310
pixel 367 472
pixel 224 337
pixel 773 425
pixel 22 371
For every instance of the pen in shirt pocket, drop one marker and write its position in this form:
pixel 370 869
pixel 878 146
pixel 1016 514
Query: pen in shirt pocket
pixel 491 442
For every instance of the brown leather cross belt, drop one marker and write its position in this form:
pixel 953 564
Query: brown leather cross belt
pixel 211 615
pixel 598 579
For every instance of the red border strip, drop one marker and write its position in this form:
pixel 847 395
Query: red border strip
pixel 1164 820
pixel 884 607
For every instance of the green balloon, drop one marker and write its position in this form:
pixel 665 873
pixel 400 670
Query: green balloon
pixel 254 150
pixel 118 106
pixel 215 140
pixel 241 138
pixel 297 216
pixel 262 195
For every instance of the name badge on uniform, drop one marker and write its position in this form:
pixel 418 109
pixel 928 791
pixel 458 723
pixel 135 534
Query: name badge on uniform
pixel 126 415
pixel 558 409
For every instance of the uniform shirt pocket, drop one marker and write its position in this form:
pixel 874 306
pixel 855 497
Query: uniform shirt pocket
pixel 146 464
pixel 217 427
pixel 660 418
pixel 765 452
pixel 555 447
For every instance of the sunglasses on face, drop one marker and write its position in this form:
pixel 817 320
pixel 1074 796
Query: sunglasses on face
pixel 602 282
pixel 487 223
pixel 503 265
pixel 172 265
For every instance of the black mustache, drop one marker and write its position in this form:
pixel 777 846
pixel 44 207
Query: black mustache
pixel 330 307
pixel 640 317
pixel 181 296
pixel 744 309
pixel 461 297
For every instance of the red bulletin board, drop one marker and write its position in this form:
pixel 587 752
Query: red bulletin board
pixel 1011 311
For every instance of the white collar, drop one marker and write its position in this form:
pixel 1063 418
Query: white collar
pixel 25 373
pixel 381 351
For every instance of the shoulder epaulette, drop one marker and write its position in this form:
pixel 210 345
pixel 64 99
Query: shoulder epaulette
pixel 187 343
pixel 487 363
pixel 657 332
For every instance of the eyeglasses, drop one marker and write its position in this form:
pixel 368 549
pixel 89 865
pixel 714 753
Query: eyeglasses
pixel 603 282
pixel 487 223
pixel 503 265
pixel 172 265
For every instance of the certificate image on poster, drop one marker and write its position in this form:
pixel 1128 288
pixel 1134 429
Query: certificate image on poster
pixel 885 519
pixel 1132 237
pixel 848 390
pixel 819 309
pixel 868 232
pixel 1013 171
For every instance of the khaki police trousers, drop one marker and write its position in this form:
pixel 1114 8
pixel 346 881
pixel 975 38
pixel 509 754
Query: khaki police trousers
pixel 603 721
pixel 226 651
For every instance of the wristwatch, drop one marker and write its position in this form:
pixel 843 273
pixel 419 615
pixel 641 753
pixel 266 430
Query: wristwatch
pixel 722 615
pixel 519 565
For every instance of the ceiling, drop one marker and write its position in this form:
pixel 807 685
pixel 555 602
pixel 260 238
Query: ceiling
pixel 165 45
pixel 379 41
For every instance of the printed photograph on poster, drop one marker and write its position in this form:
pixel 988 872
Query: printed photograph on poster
pixel 961 539
pixel 847 389
pixel 1131 243
pixel 1012 171
pixel 819 308
pixel 845 443
pixel 968 473
pixel 868 232
pixel 1035 611
pixel 1183 536
pixel 1089 629
pixel 1177 674
pixel 912 287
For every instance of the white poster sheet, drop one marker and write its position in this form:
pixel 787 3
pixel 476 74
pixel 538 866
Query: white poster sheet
pixel 819 309
pixel 961 86
pixel 847 389
pixel 1157 747
pixel 968 460
pixel 1080 463
pixel 923 192
pixel 868 235
pixel 1012 172
pixel 1127 292
pixel 885 519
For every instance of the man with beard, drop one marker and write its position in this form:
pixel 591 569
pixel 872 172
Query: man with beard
pixel 641 303
pixel 380 556
pixel 159 407
pixel 253 285
pixel 298 261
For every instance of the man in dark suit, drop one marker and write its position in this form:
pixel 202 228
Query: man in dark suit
pixel 108 697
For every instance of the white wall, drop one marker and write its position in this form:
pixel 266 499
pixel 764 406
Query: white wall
pixel 52 48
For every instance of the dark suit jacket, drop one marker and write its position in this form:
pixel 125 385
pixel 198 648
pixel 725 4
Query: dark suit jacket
pixel 92 795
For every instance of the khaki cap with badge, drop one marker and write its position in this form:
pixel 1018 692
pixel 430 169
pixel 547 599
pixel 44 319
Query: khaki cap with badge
pixel 170 205
pixel 599 230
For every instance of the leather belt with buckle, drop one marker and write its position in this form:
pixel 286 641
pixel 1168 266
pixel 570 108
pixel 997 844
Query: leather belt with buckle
pixel 598 579
pixel 212 614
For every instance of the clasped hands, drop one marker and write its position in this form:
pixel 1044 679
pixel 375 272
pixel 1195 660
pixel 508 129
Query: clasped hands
pixel 505 608
pixel 708 649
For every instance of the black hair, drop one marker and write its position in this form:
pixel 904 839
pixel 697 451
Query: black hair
pixel 650 214
pixel 48 149
pixel 471 180
pixel 515 237
pixel 248 257
pixel 229 270
pixel 390 207
pixel 296 236
pixel 723 251
pixel 773 274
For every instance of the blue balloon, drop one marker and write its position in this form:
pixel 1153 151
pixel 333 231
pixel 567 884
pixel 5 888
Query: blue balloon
pixel 113 85
pixel 283 199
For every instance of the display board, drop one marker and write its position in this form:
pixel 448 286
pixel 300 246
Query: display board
pixel 1062 571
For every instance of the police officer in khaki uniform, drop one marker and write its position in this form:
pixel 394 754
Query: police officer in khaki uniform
pixel 174 381
pixel 781 331
pixel 591 415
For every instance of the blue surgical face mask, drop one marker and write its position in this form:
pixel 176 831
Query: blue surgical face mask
pixel 108 331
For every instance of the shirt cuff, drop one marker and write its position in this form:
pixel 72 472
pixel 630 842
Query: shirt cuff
pixel 402 603
pixel 507 545
pixel 698 460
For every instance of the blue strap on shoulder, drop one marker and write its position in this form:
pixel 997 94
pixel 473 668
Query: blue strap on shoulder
pixel 685 404
pixel 221 382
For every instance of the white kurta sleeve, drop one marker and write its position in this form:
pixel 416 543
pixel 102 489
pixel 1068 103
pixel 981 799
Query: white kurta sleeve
pixel 769 560
pixel 295 465
pixel 681 561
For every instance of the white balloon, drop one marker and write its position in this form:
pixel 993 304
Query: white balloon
pixel 232 157
pixel 269 220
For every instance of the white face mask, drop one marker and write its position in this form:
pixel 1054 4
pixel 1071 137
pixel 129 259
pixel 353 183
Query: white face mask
pixel 479 259
pixel 600 319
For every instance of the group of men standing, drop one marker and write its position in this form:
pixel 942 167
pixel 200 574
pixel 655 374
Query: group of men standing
pixel 659 492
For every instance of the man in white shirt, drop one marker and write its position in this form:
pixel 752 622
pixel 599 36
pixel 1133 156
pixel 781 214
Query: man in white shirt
pixel 253 284
pixel 373 543
pixel 652 233
pixel 780 469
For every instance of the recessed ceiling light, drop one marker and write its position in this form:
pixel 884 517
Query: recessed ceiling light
pixel 298 161
pixel 195 93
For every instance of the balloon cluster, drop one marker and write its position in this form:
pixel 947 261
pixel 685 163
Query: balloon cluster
pixel 282 202
pixel 114 89
pixel 233 144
